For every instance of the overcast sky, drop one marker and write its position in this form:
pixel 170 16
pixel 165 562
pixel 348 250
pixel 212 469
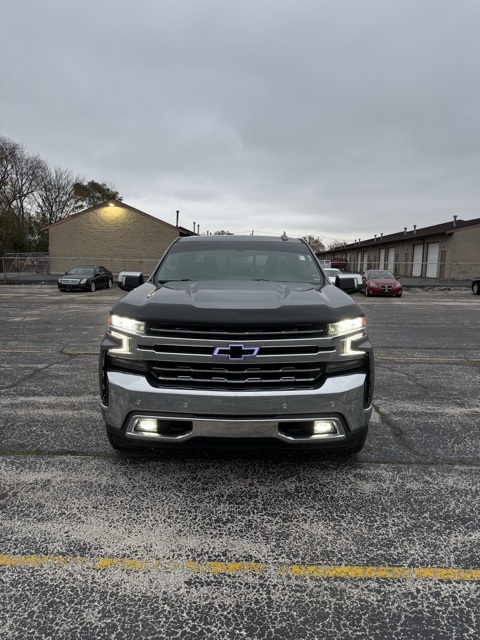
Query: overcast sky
pixel 333 118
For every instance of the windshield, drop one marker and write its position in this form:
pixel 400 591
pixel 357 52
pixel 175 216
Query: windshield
pixel 380 274
pixel 239 260
pixel 332 272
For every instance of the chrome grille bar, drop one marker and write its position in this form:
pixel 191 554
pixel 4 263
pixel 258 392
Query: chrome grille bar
pixel 211 376
pixel 275 332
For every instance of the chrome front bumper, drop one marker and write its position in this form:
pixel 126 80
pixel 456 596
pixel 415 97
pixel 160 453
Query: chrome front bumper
pixel 214 414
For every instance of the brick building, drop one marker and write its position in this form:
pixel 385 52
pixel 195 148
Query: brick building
pixel 449 250
pixel 112 234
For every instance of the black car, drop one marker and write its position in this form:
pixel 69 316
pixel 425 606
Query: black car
pixel 86 278
pixel 476 286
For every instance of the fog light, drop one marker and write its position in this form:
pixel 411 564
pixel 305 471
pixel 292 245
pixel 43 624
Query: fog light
pixel 324 426
pixel 148 425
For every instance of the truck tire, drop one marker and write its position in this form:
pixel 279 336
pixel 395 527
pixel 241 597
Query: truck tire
pixel 354 449
pixel 114 443
pixel 119 444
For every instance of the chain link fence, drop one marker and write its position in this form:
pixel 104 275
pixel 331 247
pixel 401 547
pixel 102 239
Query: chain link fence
pixel 26 263
pixel 22 266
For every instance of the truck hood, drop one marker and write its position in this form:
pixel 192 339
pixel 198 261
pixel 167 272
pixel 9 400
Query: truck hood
pixel 237 302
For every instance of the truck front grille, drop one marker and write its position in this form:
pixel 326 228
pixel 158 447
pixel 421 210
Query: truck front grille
pixel 240 332
pixel 194 350
pixel 236 377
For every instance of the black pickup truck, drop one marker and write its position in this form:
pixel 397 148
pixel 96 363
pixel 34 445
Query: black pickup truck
pixel 237 341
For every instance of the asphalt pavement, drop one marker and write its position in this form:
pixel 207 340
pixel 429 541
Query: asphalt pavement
pixel 251 545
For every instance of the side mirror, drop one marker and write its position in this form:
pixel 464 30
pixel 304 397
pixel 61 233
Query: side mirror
pixel 397 277
pixel 347 284
pixel 128 280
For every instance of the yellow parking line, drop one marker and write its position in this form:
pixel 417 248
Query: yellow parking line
pixel 349 572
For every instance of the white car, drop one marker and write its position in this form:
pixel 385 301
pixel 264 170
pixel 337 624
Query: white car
pixel 332 274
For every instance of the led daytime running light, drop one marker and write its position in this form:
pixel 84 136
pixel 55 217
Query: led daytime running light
pixel 125 343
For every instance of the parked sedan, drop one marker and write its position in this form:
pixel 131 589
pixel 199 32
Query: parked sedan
pixel 86 278
pixel 377 282
pixel 476 286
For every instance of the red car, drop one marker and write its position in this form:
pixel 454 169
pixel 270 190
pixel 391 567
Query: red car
pixel 377 282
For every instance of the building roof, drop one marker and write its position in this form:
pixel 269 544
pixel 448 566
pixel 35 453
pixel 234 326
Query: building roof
pixel 447 228
pixel 181 230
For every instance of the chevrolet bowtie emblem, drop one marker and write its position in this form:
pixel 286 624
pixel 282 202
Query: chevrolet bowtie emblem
pixel 236 351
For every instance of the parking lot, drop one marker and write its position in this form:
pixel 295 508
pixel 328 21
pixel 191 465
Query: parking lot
pixel 96 544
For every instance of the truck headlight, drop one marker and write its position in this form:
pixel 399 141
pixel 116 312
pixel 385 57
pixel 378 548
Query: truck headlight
pixel 346 326
pixel 126 324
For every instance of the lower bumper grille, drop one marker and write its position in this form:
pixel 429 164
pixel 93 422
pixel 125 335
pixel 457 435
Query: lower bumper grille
pixel 236 377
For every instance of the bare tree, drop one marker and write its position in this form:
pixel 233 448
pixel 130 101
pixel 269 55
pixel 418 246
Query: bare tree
pixel 55 198
pixel 8 150
pixel 315 243
pixel 32 196
pixel 20 176
pixel 335 244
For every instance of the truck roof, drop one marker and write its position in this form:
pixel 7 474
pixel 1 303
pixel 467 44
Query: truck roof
pixel 245 238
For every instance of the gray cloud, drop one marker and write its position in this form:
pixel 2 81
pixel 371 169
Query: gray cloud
pixel 338 118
